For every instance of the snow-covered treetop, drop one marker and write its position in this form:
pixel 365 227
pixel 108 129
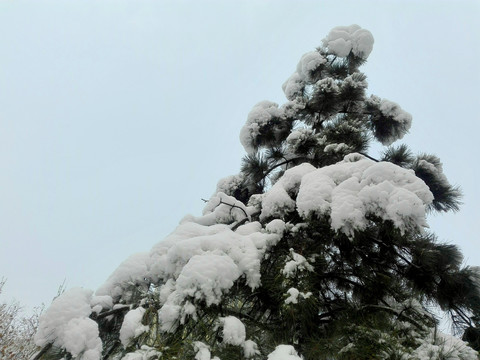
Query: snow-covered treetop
pixel 327 87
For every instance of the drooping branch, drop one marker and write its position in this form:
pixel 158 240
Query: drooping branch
pixel 234 206
pixel 231 205
pixel 395 312
pixel 368 156
pixel 281 164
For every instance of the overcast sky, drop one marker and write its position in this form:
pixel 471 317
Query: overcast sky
pixel 117 117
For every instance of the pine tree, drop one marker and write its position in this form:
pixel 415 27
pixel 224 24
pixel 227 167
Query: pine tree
pixel 316 250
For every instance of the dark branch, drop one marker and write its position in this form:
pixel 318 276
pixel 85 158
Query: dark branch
pixel 43 351
pixel 235 206
pixel 111 312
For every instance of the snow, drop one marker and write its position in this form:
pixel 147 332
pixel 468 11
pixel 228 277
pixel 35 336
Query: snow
pixel 309 63
pixel 391 113
pixel 294 86
pixel 442 346
pixel 299 135
pixel 200 263
pixel 393 110
pixel 276 226
pixel 233 330
pixel 342 40
pixel 432 165
pixel 144 353
pixel 190 239
pixel 260 115
pixel 250 349
pixel 293 295
pixel 207 277
pixel 169 315
pixel 328 85
pixel 336 148
pixel 349 191
pixel 202 259
pixel 356 80
pixel 222 209
pixel 250 228
pixel 67 325
pixel 202 351
pixel 230 183
pixel 277 202
pixel 284 352
pixel 297 264
pixel 132 270
pixel 81 339
pixel 132 326
pixel 101 302
pixel 204 278
pixel 196 263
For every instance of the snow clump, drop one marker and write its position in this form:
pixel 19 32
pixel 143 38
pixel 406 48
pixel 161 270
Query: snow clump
pixel 230 184
pixel 342 40
pixel 294 86
pixel 284 352
pixel 389 121
pixel 233 330
pixel 309 64
pixel 202 351
pixel 144 353
pixel 297 264
pixel 276 226
pixel 131 271
pixel 260 116
pixel 348 192
pixel 132 326
pixel 221 209
pixel 279 200
pixel 293 295
pixel 196 263
pixel 443 346
pixel 250 349
pixel 66 324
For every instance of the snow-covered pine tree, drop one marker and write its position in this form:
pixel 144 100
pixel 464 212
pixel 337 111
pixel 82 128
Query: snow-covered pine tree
pixel 316 250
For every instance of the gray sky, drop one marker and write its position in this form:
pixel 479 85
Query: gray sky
pixel 117 117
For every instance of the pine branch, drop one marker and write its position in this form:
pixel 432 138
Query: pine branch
pixel 395 312
pixel 368 156
pixel 460 313
pixel 112 349
pixel 281 164
pixel 231 205
pixel 111 312
pixel 43 351
pixel 235 206
pixel 243 221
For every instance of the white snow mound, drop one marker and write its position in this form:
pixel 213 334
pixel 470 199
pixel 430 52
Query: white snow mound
pixel 348 192
pixel 342 40
pixel 67 325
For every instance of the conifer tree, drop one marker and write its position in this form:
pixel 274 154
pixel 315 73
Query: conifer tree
pixel 315 250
